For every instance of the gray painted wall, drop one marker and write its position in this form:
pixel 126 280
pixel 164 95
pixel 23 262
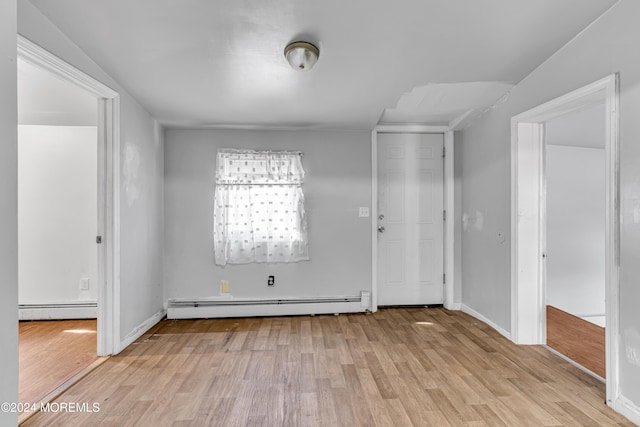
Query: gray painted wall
pixel 141 179
pixel 57 213
pixel 337 182
pixel 607 46
pixel 582 128
pixel 575 228
pixel 8 211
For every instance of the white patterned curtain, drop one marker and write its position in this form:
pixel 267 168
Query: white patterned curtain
pixel 259 207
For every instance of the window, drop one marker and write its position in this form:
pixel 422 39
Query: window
pixel 259 207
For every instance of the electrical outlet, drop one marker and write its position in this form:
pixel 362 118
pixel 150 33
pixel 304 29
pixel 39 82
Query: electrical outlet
pixel 271 280
pixel 84 284
pixel 363 212
pixel 224 287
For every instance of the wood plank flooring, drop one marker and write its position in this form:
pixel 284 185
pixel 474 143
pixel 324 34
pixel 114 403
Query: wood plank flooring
pixel 579 340
pixel 51 352
pixel 397 367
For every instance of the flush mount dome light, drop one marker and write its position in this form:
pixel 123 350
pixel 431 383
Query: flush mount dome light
pixel 301 56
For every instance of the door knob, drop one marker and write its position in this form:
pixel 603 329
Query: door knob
pixel 380 229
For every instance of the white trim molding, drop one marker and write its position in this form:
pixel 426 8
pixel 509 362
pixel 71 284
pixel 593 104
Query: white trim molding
pixel 374 221
pixel 528 230
pixel 36 55
pixel 627 408
pixel 112 247
pixel 449 225
pixel 527 319
pixel 108 310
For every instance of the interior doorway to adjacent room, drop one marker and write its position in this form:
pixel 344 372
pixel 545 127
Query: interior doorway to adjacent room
pixel 575 236
pixel 58 258
pixel 529 222
pixel 100 106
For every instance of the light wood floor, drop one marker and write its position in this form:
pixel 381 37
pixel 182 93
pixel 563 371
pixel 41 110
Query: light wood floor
pixel 397 367
pixel 51 352
pixel 579 340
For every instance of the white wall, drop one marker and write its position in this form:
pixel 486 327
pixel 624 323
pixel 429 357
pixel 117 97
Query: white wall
pixel 141 179
pixel 46 99
pixel 575 229
pixel 8 212
pixel 606 47
pixel 142 219
pixel 57 213
pixel 337 182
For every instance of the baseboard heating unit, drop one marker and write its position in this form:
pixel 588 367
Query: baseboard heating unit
pixel 241 307
pixel 52 311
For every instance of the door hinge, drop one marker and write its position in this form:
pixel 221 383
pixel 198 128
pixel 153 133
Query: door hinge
pixel 444 278
pixel 444 215
pixel 444 151
pixel 98 239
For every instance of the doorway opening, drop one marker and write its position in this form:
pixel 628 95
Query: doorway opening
pixel 88 185
pixel 574 233
pixel 529 217
pixel 57 223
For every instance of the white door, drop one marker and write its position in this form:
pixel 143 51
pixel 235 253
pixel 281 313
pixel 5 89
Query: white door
pixel 410 219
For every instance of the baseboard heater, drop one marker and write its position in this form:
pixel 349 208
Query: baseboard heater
pixel 236 307
pixel 56 311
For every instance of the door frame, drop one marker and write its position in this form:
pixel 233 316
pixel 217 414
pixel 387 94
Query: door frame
pixel 528 293
pixel 108 221
pixel 451 302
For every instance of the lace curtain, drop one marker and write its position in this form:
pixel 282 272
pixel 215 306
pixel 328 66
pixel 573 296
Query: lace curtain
pixel 259 207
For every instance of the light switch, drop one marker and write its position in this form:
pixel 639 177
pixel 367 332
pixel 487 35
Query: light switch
pixel 363 212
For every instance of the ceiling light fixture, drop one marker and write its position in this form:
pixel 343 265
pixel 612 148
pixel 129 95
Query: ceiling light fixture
pixel 301 55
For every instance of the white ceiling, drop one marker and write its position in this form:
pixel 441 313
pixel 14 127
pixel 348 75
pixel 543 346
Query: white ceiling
pixel 454 105
pixel 220 63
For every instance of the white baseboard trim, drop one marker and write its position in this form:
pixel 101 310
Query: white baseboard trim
pixel 139 331
pixel 472 312
pixel 211 308
pixel 625 407
pixel 457 306
pixel 58 311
